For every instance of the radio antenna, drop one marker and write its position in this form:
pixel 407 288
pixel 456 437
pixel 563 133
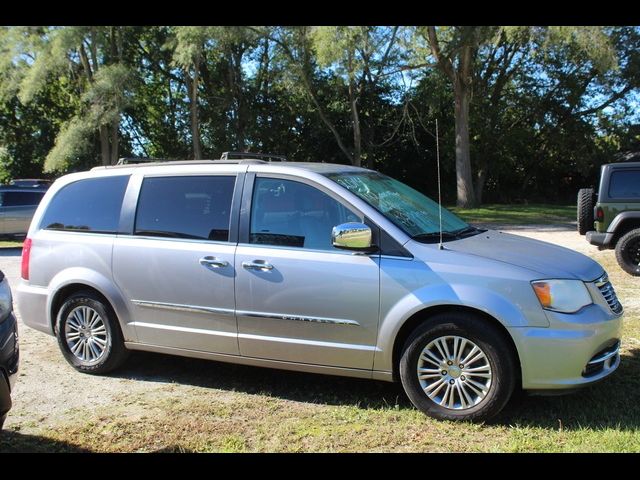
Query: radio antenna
pixel 440 246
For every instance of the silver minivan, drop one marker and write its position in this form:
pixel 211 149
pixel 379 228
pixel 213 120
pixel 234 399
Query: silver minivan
pixel 312 267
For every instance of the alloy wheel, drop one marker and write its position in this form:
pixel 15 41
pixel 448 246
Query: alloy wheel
pixel 454 372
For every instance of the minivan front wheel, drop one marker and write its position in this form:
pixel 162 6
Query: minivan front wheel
pixel 457 366
pixel 89 335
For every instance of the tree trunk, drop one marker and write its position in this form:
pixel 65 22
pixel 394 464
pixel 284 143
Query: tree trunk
pixel 357 135
pixel 104 145
pixel 464 182
pixel 481 179
pixel 115 127
pixel 192 86
pixel 241 114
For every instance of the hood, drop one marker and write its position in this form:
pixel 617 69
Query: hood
pixel 549 260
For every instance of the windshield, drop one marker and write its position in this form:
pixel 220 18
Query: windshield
pixel 407 208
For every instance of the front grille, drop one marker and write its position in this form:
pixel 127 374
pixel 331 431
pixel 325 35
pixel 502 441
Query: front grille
pixel 609 294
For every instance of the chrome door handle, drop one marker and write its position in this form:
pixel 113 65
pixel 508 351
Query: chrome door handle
pixel 213 262
pixel 257 265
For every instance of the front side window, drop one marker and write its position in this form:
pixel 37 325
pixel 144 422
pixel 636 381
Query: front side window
pixel 90 205
pixel 407 208
pixel 197 207
pixel 625 184
pixel 292 214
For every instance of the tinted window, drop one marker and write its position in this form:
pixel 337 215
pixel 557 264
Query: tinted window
pixel 185 207
pixel 293 214
pixel 625 184
pixel 88 205
pixel 18 199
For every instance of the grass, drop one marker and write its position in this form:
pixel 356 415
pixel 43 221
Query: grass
pixel 11 243
pixel 540 214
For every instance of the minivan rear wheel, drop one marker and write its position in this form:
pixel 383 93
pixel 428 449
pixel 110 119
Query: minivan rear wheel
pixel 457 366
pixel 89 335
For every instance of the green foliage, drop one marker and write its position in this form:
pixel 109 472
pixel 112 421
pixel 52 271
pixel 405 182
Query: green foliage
pixel 72 142
pixel 108 94
pixel 51 48
pixel 5 164
pixel 549 104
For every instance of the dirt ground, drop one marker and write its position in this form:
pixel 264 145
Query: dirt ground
pixel 49 392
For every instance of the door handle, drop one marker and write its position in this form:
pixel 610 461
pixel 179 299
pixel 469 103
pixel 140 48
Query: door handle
pixel 213 262
pixel 262 265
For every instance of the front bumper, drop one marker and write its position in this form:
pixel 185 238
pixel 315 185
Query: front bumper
pixel 576 350
pixel 9 360
pixel 600 240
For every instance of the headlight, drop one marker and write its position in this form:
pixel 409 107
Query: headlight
pixel 566 296
pixel 5 300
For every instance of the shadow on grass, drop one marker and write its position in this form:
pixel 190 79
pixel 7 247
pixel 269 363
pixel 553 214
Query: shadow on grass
pixel 297 386
pixel 16 442
pixel 612 403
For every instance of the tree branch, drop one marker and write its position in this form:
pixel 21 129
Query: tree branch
pixel 385 57
pixel 444 63
pixel 85 63
pixel 308 88
pixel 603 105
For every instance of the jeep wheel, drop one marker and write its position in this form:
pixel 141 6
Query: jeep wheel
pixel 586 202
pixel 628 252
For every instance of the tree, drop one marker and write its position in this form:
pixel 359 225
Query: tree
pixel 484 59
pixel 457 62
pixel 90 58
pixel 357 55
pixel 188 53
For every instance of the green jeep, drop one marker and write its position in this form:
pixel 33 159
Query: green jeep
pixel 614 213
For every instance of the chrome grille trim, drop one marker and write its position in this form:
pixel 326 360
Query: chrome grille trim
pixel 609 294
pixel 606 354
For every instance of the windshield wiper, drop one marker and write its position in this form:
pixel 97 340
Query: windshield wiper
pixel 467 231
pixel 430 237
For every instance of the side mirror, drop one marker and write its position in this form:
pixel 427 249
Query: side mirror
pixel 352 236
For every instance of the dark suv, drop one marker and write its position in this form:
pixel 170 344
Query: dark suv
pixel 17 206
pixel 611 218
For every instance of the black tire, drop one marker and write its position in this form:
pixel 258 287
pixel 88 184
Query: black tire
pixel 113 352
pixel 497 354
pixel 586 202
pixel 628 252
pixel 2 419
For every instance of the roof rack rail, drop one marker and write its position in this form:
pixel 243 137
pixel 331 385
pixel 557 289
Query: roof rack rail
pixel 130 160
pixel 250 155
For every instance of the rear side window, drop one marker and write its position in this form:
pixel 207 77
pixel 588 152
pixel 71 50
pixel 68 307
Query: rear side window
pixel 625 184
pixel 197 207
pixel 91 205
pixel 21 199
